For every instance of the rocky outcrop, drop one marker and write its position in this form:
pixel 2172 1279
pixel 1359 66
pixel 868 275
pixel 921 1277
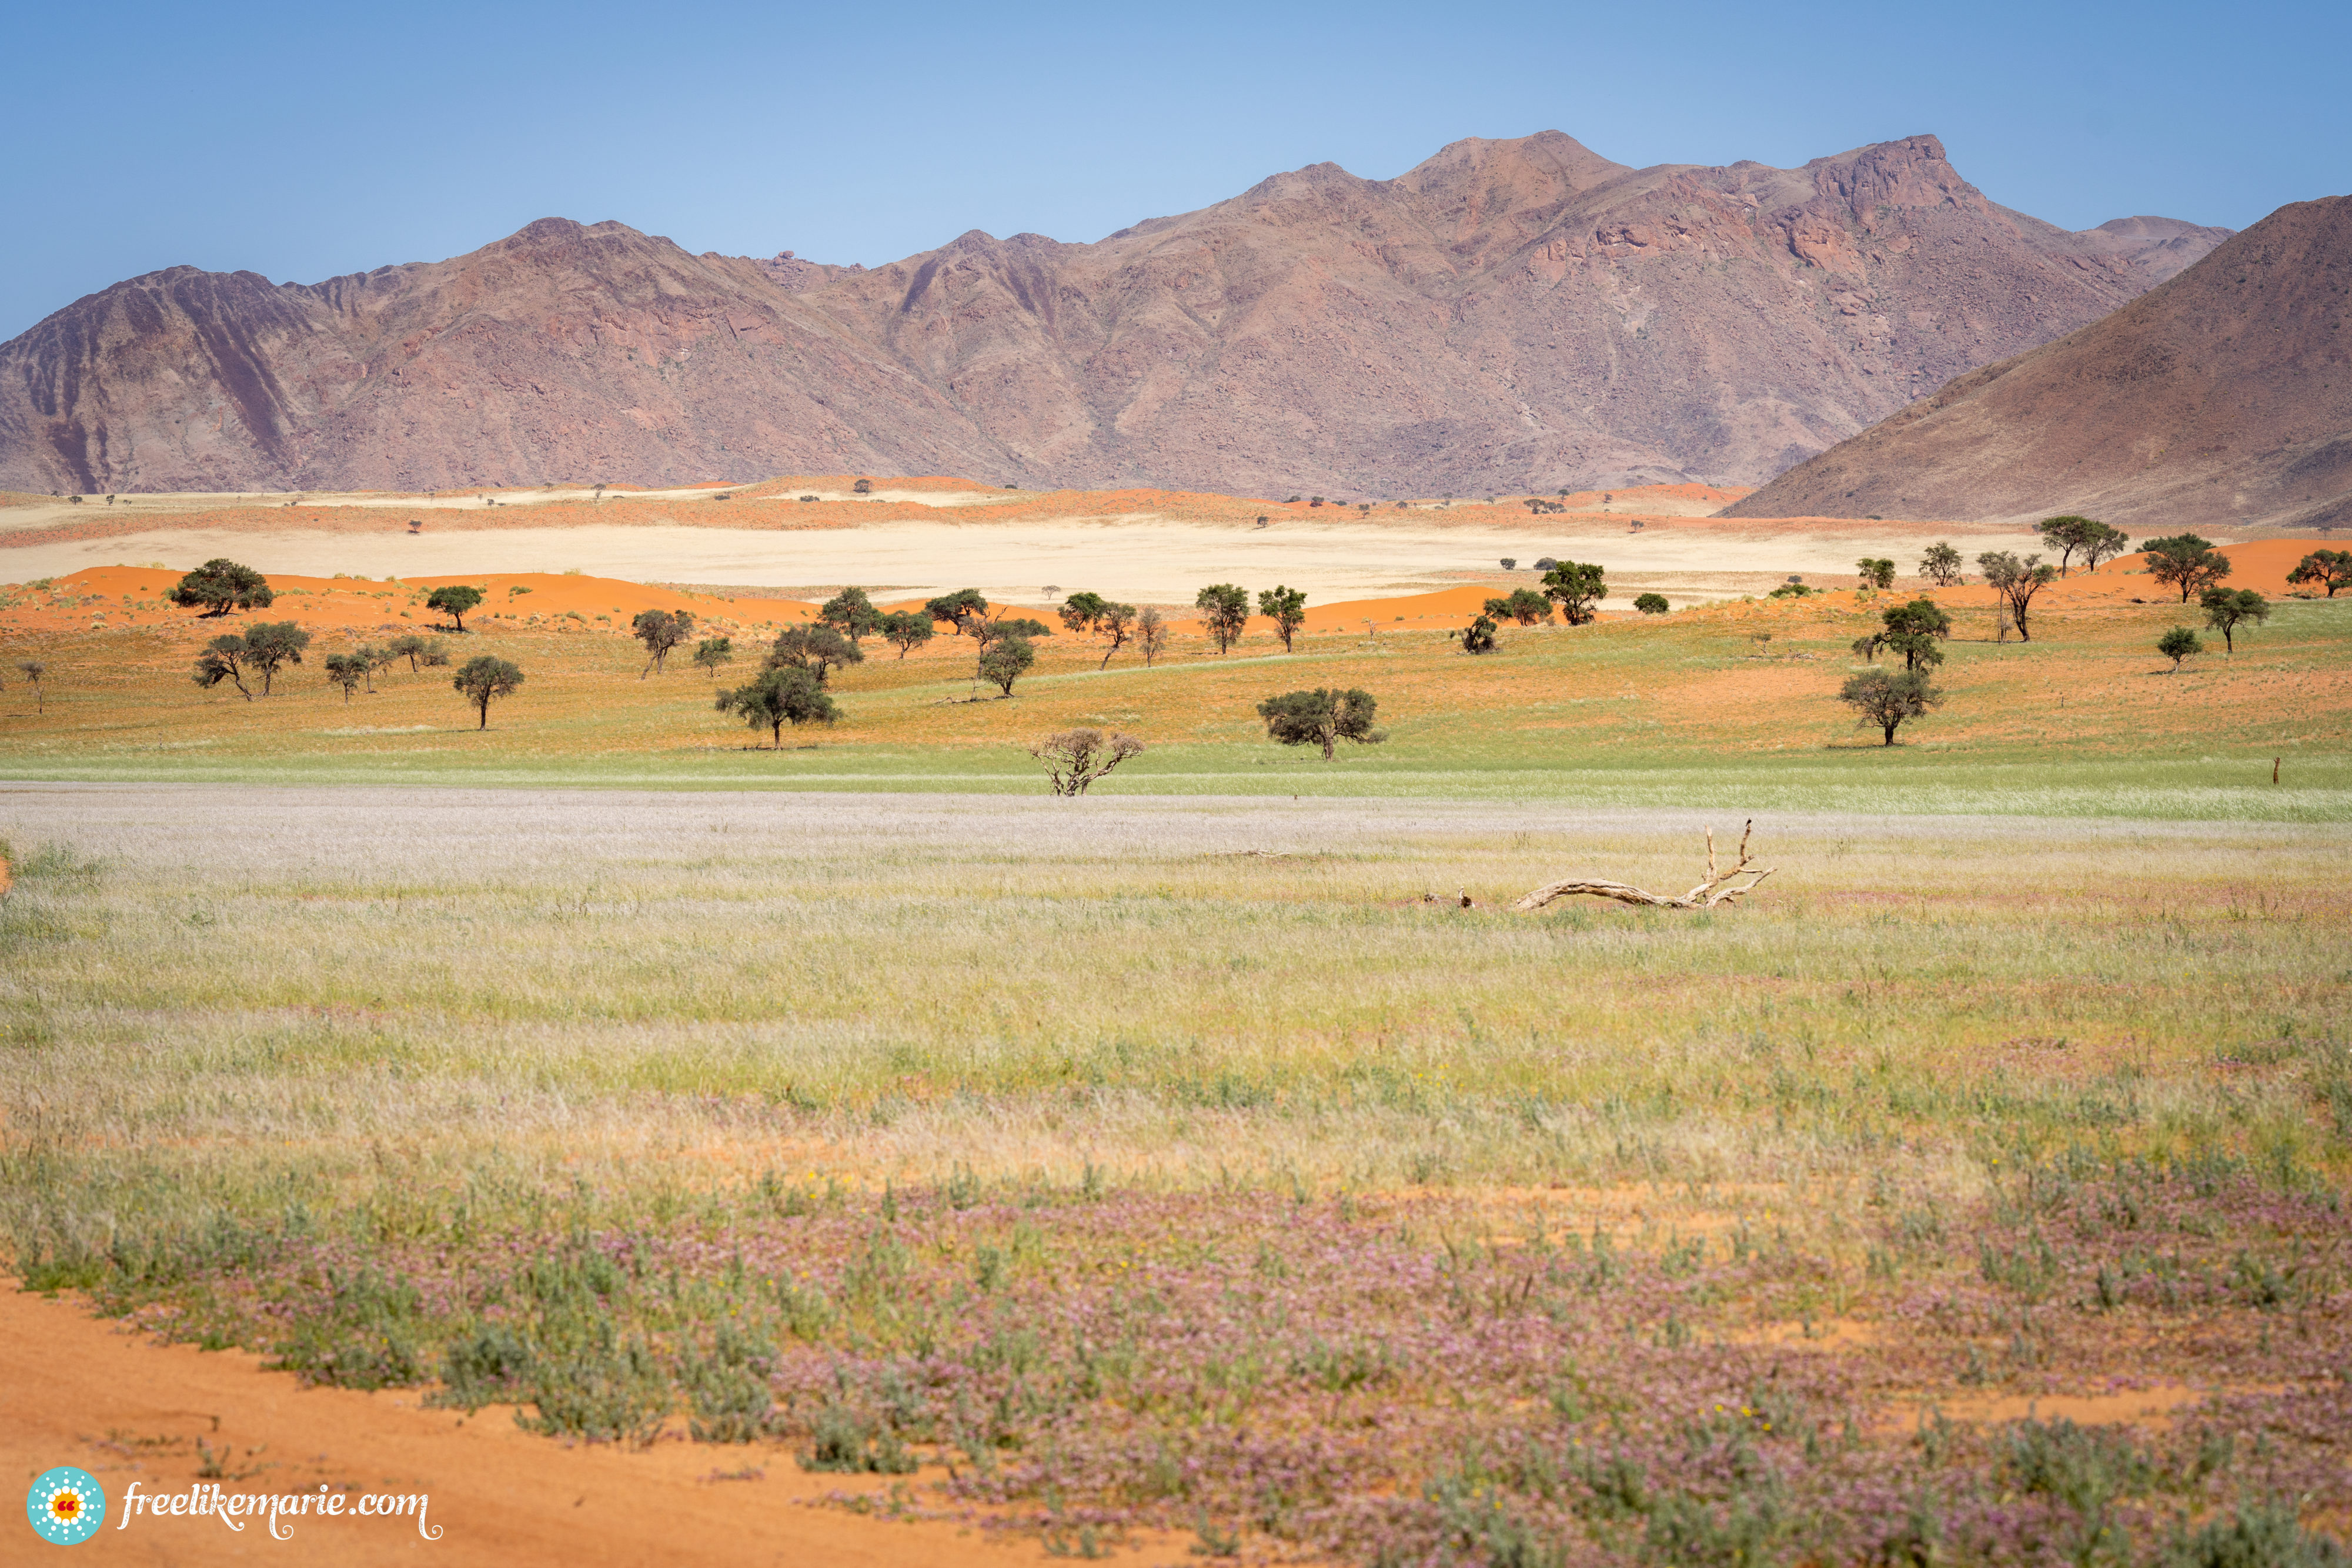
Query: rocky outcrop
pixel 1509 315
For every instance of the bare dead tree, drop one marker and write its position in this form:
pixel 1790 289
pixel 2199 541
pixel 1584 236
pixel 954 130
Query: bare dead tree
pixel 1074 758
pixel 1718 887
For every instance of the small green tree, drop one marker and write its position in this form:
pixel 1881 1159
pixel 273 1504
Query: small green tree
pixel 2016 581
pixel 422 653
pixel 2226 610
pixel 347 671
pixel 1652 605
pixel 957 609
pixel 1074 758
pixel 1478 637
pixel 2100 543
pixel 1886 699
pixel 1876 572
pixel 1913 630
pixel 660 631
pixel 1941 565
pixel 1576 587
pixel 815 648
pixel 2328 569
pixel 1117 624
pixel 1224 612
pixel 33 671
pixel 2185 562
pixel 1322 717
pixel 851 613
pixel 781 694
pixel 454 600
pixel 379 656
pixel 713 651
pixel 2068 534
pixel 905 629
pixel 220 586
pixel 1287 607
pixel 1150 633
pixel 480 679
pixel 223 659
pixel 1082 612
pixel 1006 660
pixel 2177 644
pixel 270 646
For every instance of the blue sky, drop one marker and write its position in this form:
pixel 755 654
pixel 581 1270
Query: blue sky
pixel 305 142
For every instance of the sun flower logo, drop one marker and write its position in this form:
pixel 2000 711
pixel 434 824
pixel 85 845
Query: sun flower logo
pixel 65 1505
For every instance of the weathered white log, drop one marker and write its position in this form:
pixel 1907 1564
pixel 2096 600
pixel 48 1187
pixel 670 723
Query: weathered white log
pixel 1720 887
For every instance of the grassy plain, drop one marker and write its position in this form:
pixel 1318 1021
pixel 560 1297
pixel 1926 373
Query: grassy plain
pixel 1184 1157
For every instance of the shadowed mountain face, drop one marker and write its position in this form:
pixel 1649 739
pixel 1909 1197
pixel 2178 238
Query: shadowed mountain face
pixel 1510 314
pixel 2219 399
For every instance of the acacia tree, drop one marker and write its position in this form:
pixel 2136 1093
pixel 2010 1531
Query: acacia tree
pixel 1576 587
pixel 1150 633
pixel 454 600
pixel 851 613
pixel 1478 637
pixel 223 659
pixel 1940 565
pixel 2066 535
pixel 957 609
pixel 422 653
pixel 1322 717
pixel 660 631
pixel 713 651
pixel 1083 613
pixel 905 629
pixel 1074 758
pixel 814 648
pixel 1913 630
pixel 781 694
pixel 347 671
pixel 33 670
pixel 1876 572
pixel 2185 562
pixel 2226 610
pixel 2016 581
pixel 220 586
pixel 1652 605
pixel 480 679
pixel 1886 699
pixel 1006 662
pixel 2100 543
pixel 1525 606
pixel 270 645
pixel 2328 569
pixel 2177 644
pixel 1224 612
pixel 1117 624
pixel 1287 607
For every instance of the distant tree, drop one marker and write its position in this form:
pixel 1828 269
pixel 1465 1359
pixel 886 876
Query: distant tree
pixel 1545 563
pixel 1510 563
pixel 2185 562
pixel 958 608
pixel 1652 605
pixel 347 671
pixel 1083 613
pixel 1913 630
pixel 379 656
pixel 480 679
pixel 2068 534
pixel 1225 611
pixel 2226 610
pixel 2101 542
pixel 905 629
pixel 1940 565
pixel 1478 637
pixel 1322 717
pixel 33 671
pixel 2016 582
pixel 660 631
pixel 1526 607
pixel 1886 699
pixel 1150 633
pixel 422 653
pixel 2177 644
pixel 454 602
pixel 223 659
pixel 1018 626
pixel 1576 587
pixel 1287 607
pixel 2328 569
pixel 270 645
pixel 1876 572
pixel 220 586
pixel 711 651
pixel 814 648
pixel 864 487
pixel 1074 758
pixel 1117 624
pixel 851 613
pixel 781 694
pixel 1006 662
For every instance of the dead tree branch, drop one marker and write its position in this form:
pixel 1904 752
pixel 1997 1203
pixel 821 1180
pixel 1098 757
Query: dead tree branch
pixel 1720 887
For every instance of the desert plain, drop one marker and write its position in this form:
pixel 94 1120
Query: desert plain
pixel 615 1113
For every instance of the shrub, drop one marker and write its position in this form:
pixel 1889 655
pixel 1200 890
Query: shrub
pixel 862 488
pixel 2177 644
pixel 1478 637
pixel 1074 758
pixel 1322 717
pixel 1652 605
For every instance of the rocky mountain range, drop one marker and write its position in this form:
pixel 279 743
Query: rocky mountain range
pixel 2221 398
pixel 1518 315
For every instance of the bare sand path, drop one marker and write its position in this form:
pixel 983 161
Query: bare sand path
pixel 79 1390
